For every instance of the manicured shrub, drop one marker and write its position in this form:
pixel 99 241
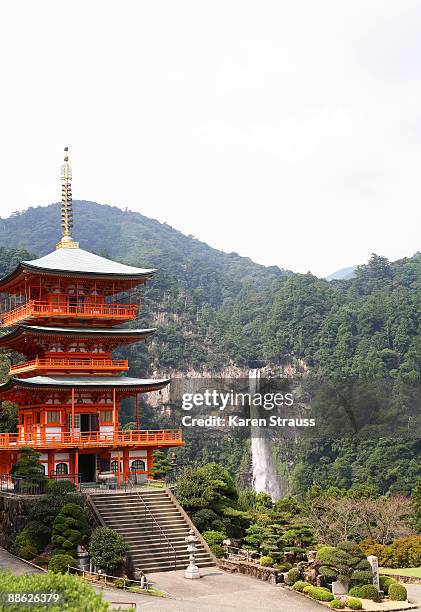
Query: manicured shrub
pixel 327 572
pixel 385 582
pixel 107 548
pixel 60 487
pixel 59 563
pixel 70 527
pixel 337 604
pixel 218 550
pixel 360 577
pixel 300 585
pixel 320 594
pixel 293 576
pixel 324 553
pixel 266 561
pixel 306 590
pixel 75 593
pixel 28 552
pixel 214 537
pixel 366 591
pixel 354 604
pixel 341 561
pixel 397 592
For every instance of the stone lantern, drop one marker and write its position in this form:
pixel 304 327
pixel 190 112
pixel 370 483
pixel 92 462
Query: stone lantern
pixel 192 571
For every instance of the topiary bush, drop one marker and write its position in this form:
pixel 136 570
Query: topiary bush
pixel 266 561
pixel 360 577
pixel 320 594
pixel 306 590
pixel 337 604
pixel 294 575
pixel 324 553
pixel 342 562
pixel 59 563
pixel 354 604
pixel 397 592
pixel 300 585
pixel 70 528
pixel 385 582
pixel 366 591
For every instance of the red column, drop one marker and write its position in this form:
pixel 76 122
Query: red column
pixel 77 466
pixel 115 423
pixel 149 458
pixel 51 455
pixel 73 412
pixel 118 468
pixel 126 464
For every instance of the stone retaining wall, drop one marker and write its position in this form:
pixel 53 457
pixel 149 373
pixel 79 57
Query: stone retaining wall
pixel 405 579
pixel 13 516
pixel 267 574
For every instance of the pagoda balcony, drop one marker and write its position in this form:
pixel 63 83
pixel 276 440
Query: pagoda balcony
pixel 37 309
pixel 92 439
pixel 70 364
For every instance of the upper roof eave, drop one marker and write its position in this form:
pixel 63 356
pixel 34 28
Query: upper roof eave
pixel 91 382
pixel 21 329
pixel 77 262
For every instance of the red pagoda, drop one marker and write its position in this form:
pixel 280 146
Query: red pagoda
pixel 61 313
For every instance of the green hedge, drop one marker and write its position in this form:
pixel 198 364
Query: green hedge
pixel 75 594
pixel 366 591
pixel 385 582
pixel 397 592
pixel 300 585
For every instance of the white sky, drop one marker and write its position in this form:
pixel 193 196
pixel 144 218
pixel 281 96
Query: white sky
pixel 286 131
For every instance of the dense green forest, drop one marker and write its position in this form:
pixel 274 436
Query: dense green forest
pixel 214 309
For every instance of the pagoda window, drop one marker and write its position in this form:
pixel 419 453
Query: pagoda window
pixel 37 417
pixel 53 416
pixel 106 416
pixel 138 464
pixel 114 466
pixel 77 421
pixel 61 469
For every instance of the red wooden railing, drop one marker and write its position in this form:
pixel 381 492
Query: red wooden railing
pixel 70 362
pixel 36 308
pixel 41 439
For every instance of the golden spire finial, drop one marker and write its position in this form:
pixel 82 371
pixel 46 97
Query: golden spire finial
pixel 66 205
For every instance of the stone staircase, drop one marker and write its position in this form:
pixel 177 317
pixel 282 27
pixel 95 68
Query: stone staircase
pixel 153 525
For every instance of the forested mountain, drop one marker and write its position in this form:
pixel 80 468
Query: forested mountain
pixel 214 310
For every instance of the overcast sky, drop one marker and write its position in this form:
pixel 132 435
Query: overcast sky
pixel 289 132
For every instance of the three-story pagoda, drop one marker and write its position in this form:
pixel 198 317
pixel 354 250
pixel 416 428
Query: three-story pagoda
pixel 61 313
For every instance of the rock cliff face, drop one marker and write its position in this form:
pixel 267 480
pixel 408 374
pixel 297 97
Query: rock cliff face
pixel 193 380
pixel 13 517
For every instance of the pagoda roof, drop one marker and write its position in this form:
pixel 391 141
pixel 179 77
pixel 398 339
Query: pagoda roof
pixel 37 330
pixel 86 382
pixel 78 262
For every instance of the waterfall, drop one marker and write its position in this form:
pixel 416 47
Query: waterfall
pixel 265 477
